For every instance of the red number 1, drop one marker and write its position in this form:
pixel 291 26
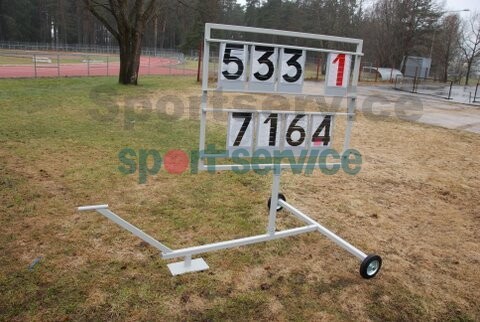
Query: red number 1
pixel 341 68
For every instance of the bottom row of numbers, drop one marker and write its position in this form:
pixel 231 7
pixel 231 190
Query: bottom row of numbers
pixel 285 131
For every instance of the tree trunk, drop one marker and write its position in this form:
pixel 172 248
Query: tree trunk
pixel 445 73
pixel 446 63
pixel 469 69
pixel 130 51
pixel 131 19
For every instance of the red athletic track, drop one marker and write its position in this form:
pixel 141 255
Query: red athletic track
pixel 156 66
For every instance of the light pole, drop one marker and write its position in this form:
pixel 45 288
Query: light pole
pixel 435 30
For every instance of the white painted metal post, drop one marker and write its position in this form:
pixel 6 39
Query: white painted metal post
pixel 188 261
pixel 203 130
pixel 352 101
pixel 204 103
pixel 206 58
pixel 274 203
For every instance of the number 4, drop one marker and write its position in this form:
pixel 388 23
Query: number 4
pixel 317 138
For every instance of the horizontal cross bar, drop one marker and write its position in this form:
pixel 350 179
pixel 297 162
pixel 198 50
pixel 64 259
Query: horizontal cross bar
pixel 238 242
pixel 274 32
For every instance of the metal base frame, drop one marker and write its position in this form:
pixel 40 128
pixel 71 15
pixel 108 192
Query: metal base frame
pixel 188 265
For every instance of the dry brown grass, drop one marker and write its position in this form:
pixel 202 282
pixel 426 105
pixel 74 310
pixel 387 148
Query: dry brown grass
pixel 415 203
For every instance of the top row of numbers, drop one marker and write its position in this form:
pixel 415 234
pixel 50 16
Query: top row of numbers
pixel 272 69
pixel 263 72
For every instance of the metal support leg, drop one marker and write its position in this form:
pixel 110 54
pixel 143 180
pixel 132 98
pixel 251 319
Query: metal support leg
pixel 370 264
pixel 324 231
pixel 273 204
pixel 188 261
pixel 103 210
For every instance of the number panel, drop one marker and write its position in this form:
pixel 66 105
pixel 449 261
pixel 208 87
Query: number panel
pixel 321 129
pixel 271 69
pixel 240 131
pixel 338 74
pixel 295 136
pixel 292 70
pixel 279 131
pixel 263 74
pixel 233 67
pixel 269 131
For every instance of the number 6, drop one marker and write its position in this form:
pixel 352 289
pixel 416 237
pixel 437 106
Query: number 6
pixel 296 128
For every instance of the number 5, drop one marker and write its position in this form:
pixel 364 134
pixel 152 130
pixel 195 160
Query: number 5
pixel 229 58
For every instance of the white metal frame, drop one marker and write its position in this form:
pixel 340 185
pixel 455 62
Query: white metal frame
pixel 189 265
pixel 370 263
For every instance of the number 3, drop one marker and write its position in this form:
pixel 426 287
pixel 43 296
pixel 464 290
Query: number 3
pixel 264 59
pixel 293 61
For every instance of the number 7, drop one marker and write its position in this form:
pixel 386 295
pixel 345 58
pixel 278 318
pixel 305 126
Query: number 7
pixel 243 129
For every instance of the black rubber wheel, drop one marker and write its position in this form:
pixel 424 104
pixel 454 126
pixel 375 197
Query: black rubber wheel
pixel 280 196
pixel 370 266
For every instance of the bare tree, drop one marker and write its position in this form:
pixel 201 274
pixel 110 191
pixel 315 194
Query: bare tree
pixel 446 43
pixel 470 42
pixel 396 29
pixel 126 20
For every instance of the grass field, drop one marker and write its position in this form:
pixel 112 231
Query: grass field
pixel 415 203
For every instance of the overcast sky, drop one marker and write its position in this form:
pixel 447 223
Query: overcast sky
pixel 463 4
pixel 450 5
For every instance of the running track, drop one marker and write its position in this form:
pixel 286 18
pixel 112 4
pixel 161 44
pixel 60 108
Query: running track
pixel 156 66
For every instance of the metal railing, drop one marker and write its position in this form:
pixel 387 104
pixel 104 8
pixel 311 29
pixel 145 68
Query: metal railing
pixel 476 97
pixel 94 49
pixel 424 86
pixel 450 91
pixel 27 64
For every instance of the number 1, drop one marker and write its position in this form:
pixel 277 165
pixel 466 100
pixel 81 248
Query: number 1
pixel 273 119
pixel 341 68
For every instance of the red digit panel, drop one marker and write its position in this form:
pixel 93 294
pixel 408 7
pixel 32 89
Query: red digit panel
pixel 341 68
